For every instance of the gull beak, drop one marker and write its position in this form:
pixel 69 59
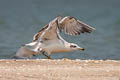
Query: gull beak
pixel 82 49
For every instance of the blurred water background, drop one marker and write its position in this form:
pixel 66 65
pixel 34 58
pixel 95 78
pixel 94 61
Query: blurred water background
pixel 21 19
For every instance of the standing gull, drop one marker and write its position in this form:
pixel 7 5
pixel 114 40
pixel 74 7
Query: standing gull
pixel 48 39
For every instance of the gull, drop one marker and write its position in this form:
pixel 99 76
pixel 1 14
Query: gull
pixel 48 40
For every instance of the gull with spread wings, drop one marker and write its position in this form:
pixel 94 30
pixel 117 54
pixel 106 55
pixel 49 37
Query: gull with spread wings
pixel 48 39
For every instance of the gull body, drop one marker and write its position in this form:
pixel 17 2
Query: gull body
pixel 48 39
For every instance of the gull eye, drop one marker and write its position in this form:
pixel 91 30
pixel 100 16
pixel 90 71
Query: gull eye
pixel 73 46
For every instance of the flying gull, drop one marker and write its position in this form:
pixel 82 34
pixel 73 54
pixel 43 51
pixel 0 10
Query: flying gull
pixel 48 39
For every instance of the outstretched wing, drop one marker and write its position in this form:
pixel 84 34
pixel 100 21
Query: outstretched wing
pixel 72 26
pixel 38 34
pixel 48 32
pixel 69 24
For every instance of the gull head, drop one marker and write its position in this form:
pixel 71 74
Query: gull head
pixel 75 47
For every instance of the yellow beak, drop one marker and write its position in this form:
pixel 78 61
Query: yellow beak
pixel 82 49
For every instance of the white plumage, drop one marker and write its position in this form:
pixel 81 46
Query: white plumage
pixel 48 39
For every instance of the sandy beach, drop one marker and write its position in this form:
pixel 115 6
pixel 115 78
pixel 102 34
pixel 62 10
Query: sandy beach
pixel 65 69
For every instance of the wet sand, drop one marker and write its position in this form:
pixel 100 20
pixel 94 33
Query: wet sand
pixel 44 69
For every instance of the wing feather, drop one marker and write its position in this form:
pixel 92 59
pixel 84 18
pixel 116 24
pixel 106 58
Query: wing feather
pixel 72 26
pixel 69 24
pixel 38 34
pixel 48 32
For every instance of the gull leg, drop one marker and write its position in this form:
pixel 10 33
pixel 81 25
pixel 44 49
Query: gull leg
pixel 46 55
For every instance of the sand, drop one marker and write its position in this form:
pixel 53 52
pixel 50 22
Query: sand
pixel 45 69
